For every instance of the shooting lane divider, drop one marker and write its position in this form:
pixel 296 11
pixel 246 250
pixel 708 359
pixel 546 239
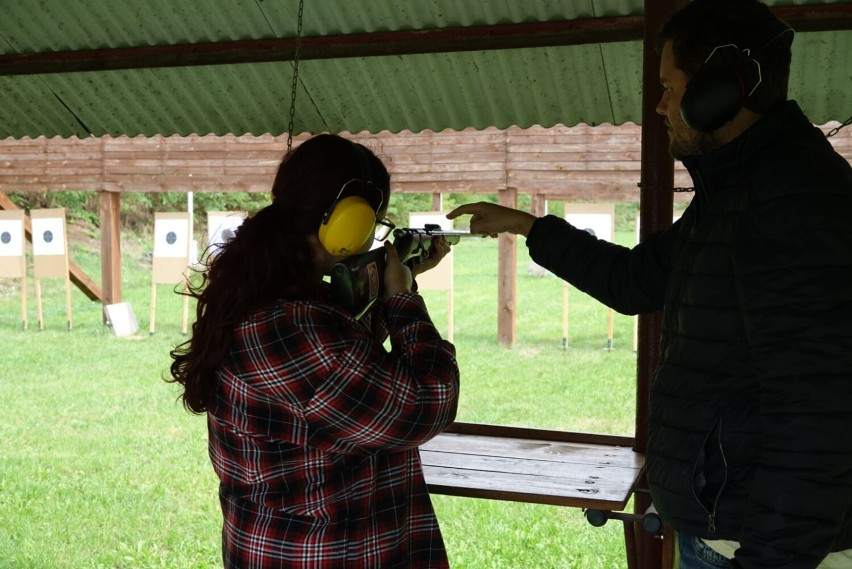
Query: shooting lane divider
pixel 171 260
pixel 50 255
pixel 598 220
pixel 13 263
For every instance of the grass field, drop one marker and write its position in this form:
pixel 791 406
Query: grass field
pixel 101 468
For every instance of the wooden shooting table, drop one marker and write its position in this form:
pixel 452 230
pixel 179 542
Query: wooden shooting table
pixel 580 470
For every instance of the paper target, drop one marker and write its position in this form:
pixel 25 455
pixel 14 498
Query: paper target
pixel 48 236
pixel 675 217
pixel 11 237
pixel 595 220
pixel 222 227
pixel 171 238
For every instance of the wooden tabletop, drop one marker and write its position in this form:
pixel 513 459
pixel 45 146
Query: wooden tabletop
pixel 581 470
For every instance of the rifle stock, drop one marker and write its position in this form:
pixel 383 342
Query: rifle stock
pixel 357 280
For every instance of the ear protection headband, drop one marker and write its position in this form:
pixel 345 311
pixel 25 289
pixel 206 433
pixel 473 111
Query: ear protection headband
pixel 350 221
pixel 724 82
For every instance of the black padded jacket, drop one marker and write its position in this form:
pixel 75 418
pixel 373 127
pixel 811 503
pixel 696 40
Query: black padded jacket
pixel 750 427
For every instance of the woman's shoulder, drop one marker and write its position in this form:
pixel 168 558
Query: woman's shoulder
pixel 301 312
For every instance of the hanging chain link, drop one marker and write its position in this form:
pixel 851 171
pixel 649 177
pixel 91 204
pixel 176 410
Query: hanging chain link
pixel 642 186
pixel 836 129
pixel 295 85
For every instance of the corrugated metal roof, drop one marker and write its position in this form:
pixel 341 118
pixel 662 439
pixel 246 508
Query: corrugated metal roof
pixel 591 83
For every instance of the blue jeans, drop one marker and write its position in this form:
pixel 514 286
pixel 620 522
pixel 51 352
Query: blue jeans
pixel 695 554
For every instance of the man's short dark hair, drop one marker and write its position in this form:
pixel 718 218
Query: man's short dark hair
pixel 703 25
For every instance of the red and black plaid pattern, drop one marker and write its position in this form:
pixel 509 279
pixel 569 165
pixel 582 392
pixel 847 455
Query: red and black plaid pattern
pixel 314 437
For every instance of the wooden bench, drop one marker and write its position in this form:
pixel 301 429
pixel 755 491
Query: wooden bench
pixel 531 465
pixel 582 470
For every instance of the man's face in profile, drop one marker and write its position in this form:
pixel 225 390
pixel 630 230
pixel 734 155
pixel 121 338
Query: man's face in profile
pixel 683 140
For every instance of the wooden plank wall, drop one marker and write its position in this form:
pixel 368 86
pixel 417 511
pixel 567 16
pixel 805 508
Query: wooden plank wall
pixel 584 163
pixel 428 162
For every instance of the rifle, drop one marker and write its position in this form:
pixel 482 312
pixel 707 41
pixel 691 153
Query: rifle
pixel 412 243
pixel 357 280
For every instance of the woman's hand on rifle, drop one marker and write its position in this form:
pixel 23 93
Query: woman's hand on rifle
pixel 397 277
pixel 438 249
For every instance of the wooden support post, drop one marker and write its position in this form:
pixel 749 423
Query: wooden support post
pixel 507 273
pixel 109 206
pixel 630 543
pixel 539 205
pixel 656 203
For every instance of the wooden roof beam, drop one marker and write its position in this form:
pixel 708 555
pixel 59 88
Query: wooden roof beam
pixel 509 36
pixel 822 17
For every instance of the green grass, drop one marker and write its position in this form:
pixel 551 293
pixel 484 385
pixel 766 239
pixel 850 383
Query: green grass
pixel 100 467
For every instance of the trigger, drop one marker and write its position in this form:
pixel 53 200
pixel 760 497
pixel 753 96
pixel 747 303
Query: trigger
pixel 422 254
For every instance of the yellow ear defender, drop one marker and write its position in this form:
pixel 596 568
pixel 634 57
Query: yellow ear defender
pixel 348 226
pixel 349 223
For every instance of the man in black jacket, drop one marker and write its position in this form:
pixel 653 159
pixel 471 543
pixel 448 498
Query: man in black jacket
pixel 749 452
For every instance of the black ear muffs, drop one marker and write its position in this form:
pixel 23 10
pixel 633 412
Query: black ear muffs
pixel 725 81
pixel 717 91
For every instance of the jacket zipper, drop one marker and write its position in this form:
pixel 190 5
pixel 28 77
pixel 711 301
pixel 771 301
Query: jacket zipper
pixel 711 516
pixel 701 194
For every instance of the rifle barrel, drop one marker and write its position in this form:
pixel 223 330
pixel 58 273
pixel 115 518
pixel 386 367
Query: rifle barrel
pixel 425 234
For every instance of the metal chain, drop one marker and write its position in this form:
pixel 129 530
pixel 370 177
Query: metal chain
pixel 836 129
pixel 295 85
pixel 642 186
pixel 830 133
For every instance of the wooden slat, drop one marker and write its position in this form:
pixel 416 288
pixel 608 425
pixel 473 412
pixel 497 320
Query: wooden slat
pixel 512 488
pixel 534 449
pixel 582 163
pixel 531 465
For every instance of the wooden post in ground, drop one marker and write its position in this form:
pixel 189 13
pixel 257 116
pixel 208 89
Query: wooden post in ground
pixel 507 277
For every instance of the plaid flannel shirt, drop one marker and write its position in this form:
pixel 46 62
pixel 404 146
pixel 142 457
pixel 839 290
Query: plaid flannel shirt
pixel 314 435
